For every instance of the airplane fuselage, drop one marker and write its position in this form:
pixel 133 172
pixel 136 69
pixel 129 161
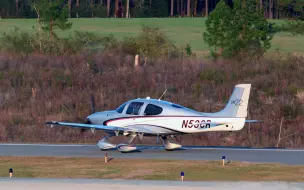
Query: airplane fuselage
pixel 168 124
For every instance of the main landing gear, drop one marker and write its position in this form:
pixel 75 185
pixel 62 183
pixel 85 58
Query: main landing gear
pixel 104 145
pixel 169 146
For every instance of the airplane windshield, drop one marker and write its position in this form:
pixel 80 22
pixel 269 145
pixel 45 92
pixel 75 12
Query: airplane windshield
pixel 121 107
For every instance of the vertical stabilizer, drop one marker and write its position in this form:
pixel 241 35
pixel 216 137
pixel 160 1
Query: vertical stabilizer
pixel 238 102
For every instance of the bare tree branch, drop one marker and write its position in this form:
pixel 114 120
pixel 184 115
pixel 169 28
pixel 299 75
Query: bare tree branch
pixel 284 136
pixel 289 135
pixel 280 132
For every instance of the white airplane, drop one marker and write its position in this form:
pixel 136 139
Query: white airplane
pixel 155 117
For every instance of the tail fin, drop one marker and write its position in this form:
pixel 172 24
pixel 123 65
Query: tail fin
pixel 238 102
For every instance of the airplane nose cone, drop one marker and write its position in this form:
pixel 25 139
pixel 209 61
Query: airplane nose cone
pixel 88 121
pixel 96 118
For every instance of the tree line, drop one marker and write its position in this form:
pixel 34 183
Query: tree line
pixel 147 8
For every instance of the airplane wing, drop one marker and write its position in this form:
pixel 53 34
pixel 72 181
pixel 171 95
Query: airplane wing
pixel 90 126
pixel 253 121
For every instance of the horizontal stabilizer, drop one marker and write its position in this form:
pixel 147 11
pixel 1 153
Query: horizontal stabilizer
pixel 253 121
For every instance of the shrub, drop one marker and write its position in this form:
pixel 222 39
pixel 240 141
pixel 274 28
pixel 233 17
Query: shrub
pixel 150 43
pixel 37 42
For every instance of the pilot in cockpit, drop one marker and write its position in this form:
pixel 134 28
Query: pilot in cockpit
pixel 136 109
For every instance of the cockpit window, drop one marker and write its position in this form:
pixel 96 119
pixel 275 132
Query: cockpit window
pixel 153 110
pixel 121 107
pixel 177 106
pixel 134 108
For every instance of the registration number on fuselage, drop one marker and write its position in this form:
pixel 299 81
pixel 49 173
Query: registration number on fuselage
pixel 196 124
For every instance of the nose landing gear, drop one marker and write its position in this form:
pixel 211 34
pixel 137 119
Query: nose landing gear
pixel 104 145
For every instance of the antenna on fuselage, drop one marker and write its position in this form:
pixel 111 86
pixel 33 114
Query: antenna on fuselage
pixel 163 94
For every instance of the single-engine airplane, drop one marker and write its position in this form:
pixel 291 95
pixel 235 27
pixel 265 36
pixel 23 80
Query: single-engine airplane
pixel 155 117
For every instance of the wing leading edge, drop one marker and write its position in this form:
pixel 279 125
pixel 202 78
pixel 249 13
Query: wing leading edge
pixel 90 126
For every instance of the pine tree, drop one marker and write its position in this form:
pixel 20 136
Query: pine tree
pixel 218 28
pixel 238 32
pixel 52 14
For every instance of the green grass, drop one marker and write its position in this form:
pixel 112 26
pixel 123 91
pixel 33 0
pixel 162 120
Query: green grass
pixel 63 167
pixel 180 30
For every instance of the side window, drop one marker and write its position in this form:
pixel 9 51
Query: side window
pixel 153 110
pixel 134 108
pixel 121 108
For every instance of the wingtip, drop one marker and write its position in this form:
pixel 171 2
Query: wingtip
pixel 51 122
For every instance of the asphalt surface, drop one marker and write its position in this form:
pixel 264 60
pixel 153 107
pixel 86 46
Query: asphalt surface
pixel 284 156
pixel 93 184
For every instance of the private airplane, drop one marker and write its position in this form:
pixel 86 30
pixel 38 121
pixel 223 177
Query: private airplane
pixel 154 117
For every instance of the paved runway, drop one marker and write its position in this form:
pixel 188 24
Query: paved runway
pixel 285 156
pixel 93 184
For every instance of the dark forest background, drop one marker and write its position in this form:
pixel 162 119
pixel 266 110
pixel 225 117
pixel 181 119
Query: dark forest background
pixel 148 8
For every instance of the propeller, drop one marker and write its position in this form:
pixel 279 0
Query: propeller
pixel 92 104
